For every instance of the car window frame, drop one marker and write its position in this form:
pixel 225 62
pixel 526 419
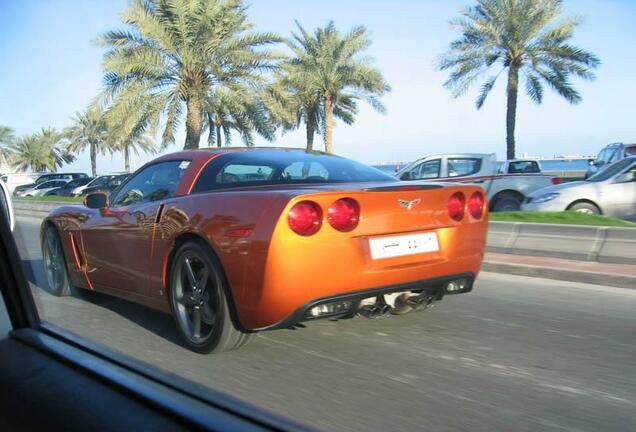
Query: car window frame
pixel 113 194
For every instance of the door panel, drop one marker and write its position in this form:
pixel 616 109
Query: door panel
pixel 117 245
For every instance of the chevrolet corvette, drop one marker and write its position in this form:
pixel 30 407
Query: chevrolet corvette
pixel 234 241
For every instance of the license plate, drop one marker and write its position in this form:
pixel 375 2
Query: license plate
pixel 411 244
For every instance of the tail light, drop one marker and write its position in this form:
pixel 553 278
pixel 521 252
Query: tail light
pixel 344 214
pixel 476 205
pixel 556 180
pixel 305 218
pixel 456 206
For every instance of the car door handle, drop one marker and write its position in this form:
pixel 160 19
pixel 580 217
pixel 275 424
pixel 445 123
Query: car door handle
pixel 159 213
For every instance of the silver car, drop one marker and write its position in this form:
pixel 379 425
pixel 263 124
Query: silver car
pixel 611 192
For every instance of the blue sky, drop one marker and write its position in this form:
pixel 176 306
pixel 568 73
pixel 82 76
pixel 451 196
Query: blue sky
pixel 50 68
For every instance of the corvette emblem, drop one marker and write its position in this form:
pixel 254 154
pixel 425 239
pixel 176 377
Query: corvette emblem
pixel 409 204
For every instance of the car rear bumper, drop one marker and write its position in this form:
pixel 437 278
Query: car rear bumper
pixel 436 287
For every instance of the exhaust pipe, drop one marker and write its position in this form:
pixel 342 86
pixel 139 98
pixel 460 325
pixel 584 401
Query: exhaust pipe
pixel 372 308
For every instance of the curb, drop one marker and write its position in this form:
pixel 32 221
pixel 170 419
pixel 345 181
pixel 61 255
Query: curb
pixel 607 279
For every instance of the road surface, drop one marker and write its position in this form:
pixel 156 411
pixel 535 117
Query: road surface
pixel 517 353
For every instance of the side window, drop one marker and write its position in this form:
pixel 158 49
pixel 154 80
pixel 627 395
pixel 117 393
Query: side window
pixel 459 167
pixel 305 170
pixel 155 182
pixel 429 169
pixel 523 167
pixel 424 170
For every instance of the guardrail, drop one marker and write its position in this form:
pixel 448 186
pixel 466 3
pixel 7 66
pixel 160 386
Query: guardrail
pixel 579 242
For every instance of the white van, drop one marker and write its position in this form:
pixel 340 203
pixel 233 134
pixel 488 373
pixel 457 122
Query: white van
pixel 14 180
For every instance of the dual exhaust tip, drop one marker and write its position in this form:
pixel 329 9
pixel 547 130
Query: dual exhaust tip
pixel 396 304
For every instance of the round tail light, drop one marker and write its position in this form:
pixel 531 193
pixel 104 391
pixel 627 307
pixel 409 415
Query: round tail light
pixel 305 218
pixel 344 214
pixel 476 205
pixel 456 205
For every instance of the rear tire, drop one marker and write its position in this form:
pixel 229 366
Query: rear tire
pixel 199 301
pixel 55 263
pixel 585 208
pixel 508 201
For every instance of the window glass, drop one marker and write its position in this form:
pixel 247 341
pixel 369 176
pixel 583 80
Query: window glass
pixel 610 171
pixel 305 170
pixel 155 182
pixel 463 166
pixel 428 170
pixel 257 169
pixel 523 167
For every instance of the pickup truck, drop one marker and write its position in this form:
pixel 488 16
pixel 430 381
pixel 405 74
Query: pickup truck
pixel 506 184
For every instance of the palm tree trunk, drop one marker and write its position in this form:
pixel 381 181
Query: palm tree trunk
pixel 328 133
pixel 93 152
pixel 511 112
pixel 194 122
pixel 310 137
pixel 219 139
pixel 126 158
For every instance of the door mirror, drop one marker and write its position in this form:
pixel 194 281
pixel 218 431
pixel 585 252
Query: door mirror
pixel 625 177
pixel 97 200
pixel 406 176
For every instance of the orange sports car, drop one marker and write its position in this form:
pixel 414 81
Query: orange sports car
pixel 233 241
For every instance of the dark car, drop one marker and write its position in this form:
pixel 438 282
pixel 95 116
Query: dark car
pixel 105 183
pixel 70 188
pixel 47 177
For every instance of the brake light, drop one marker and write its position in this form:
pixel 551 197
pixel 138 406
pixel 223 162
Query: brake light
pixel 456 205
pixel 344 214
pixel 476 205
pixel 305 218
pixel 556 180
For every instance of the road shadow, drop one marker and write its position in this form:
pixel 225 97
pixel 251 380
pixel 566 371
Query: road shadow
pixel 159 323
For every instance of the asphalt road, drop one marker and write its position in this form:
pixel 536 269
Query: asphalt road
pixel 517 353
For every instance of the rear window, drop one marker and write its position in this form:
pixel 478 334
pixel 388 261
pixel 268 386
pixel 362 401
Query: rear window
pixel 284 167
pixel 524 167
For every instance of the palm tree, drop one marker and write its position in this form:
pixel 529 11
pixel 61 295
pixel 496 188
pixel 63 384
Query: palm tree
pixel 524 38
pixel 134 143
pixel 40 152
pixel 330 68
pixel 89 130
pixel 176 52
pixel 7 137
pixel 236 109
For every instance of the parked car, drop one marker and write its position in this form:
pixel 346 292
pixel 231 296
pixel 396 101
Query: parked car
pixel 8 207
pixel 608 155
pixel 506 187
pixel 42 188
pixel 13 180
pixel 104 183
pixel 47 177
pixel 71 189
pixel 233 241
pixel 611 192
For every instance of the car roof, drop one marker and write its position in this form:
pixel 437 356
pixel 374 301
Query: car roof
pixel 206 152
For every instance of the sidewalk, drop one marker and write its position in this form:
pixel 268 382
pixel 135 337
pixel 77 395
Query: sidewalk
pixel 617 275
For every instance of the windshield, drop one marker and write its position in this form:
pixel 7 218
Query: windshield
pixel 611 171
pixel 605 155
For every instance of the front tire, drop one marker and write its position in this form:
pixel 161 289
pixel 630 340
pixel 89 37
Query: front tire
pixel 55 263
pixel 199 301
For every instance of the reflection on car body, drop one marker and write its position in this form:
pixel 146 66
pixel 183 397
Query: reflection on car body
pixel 238 240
